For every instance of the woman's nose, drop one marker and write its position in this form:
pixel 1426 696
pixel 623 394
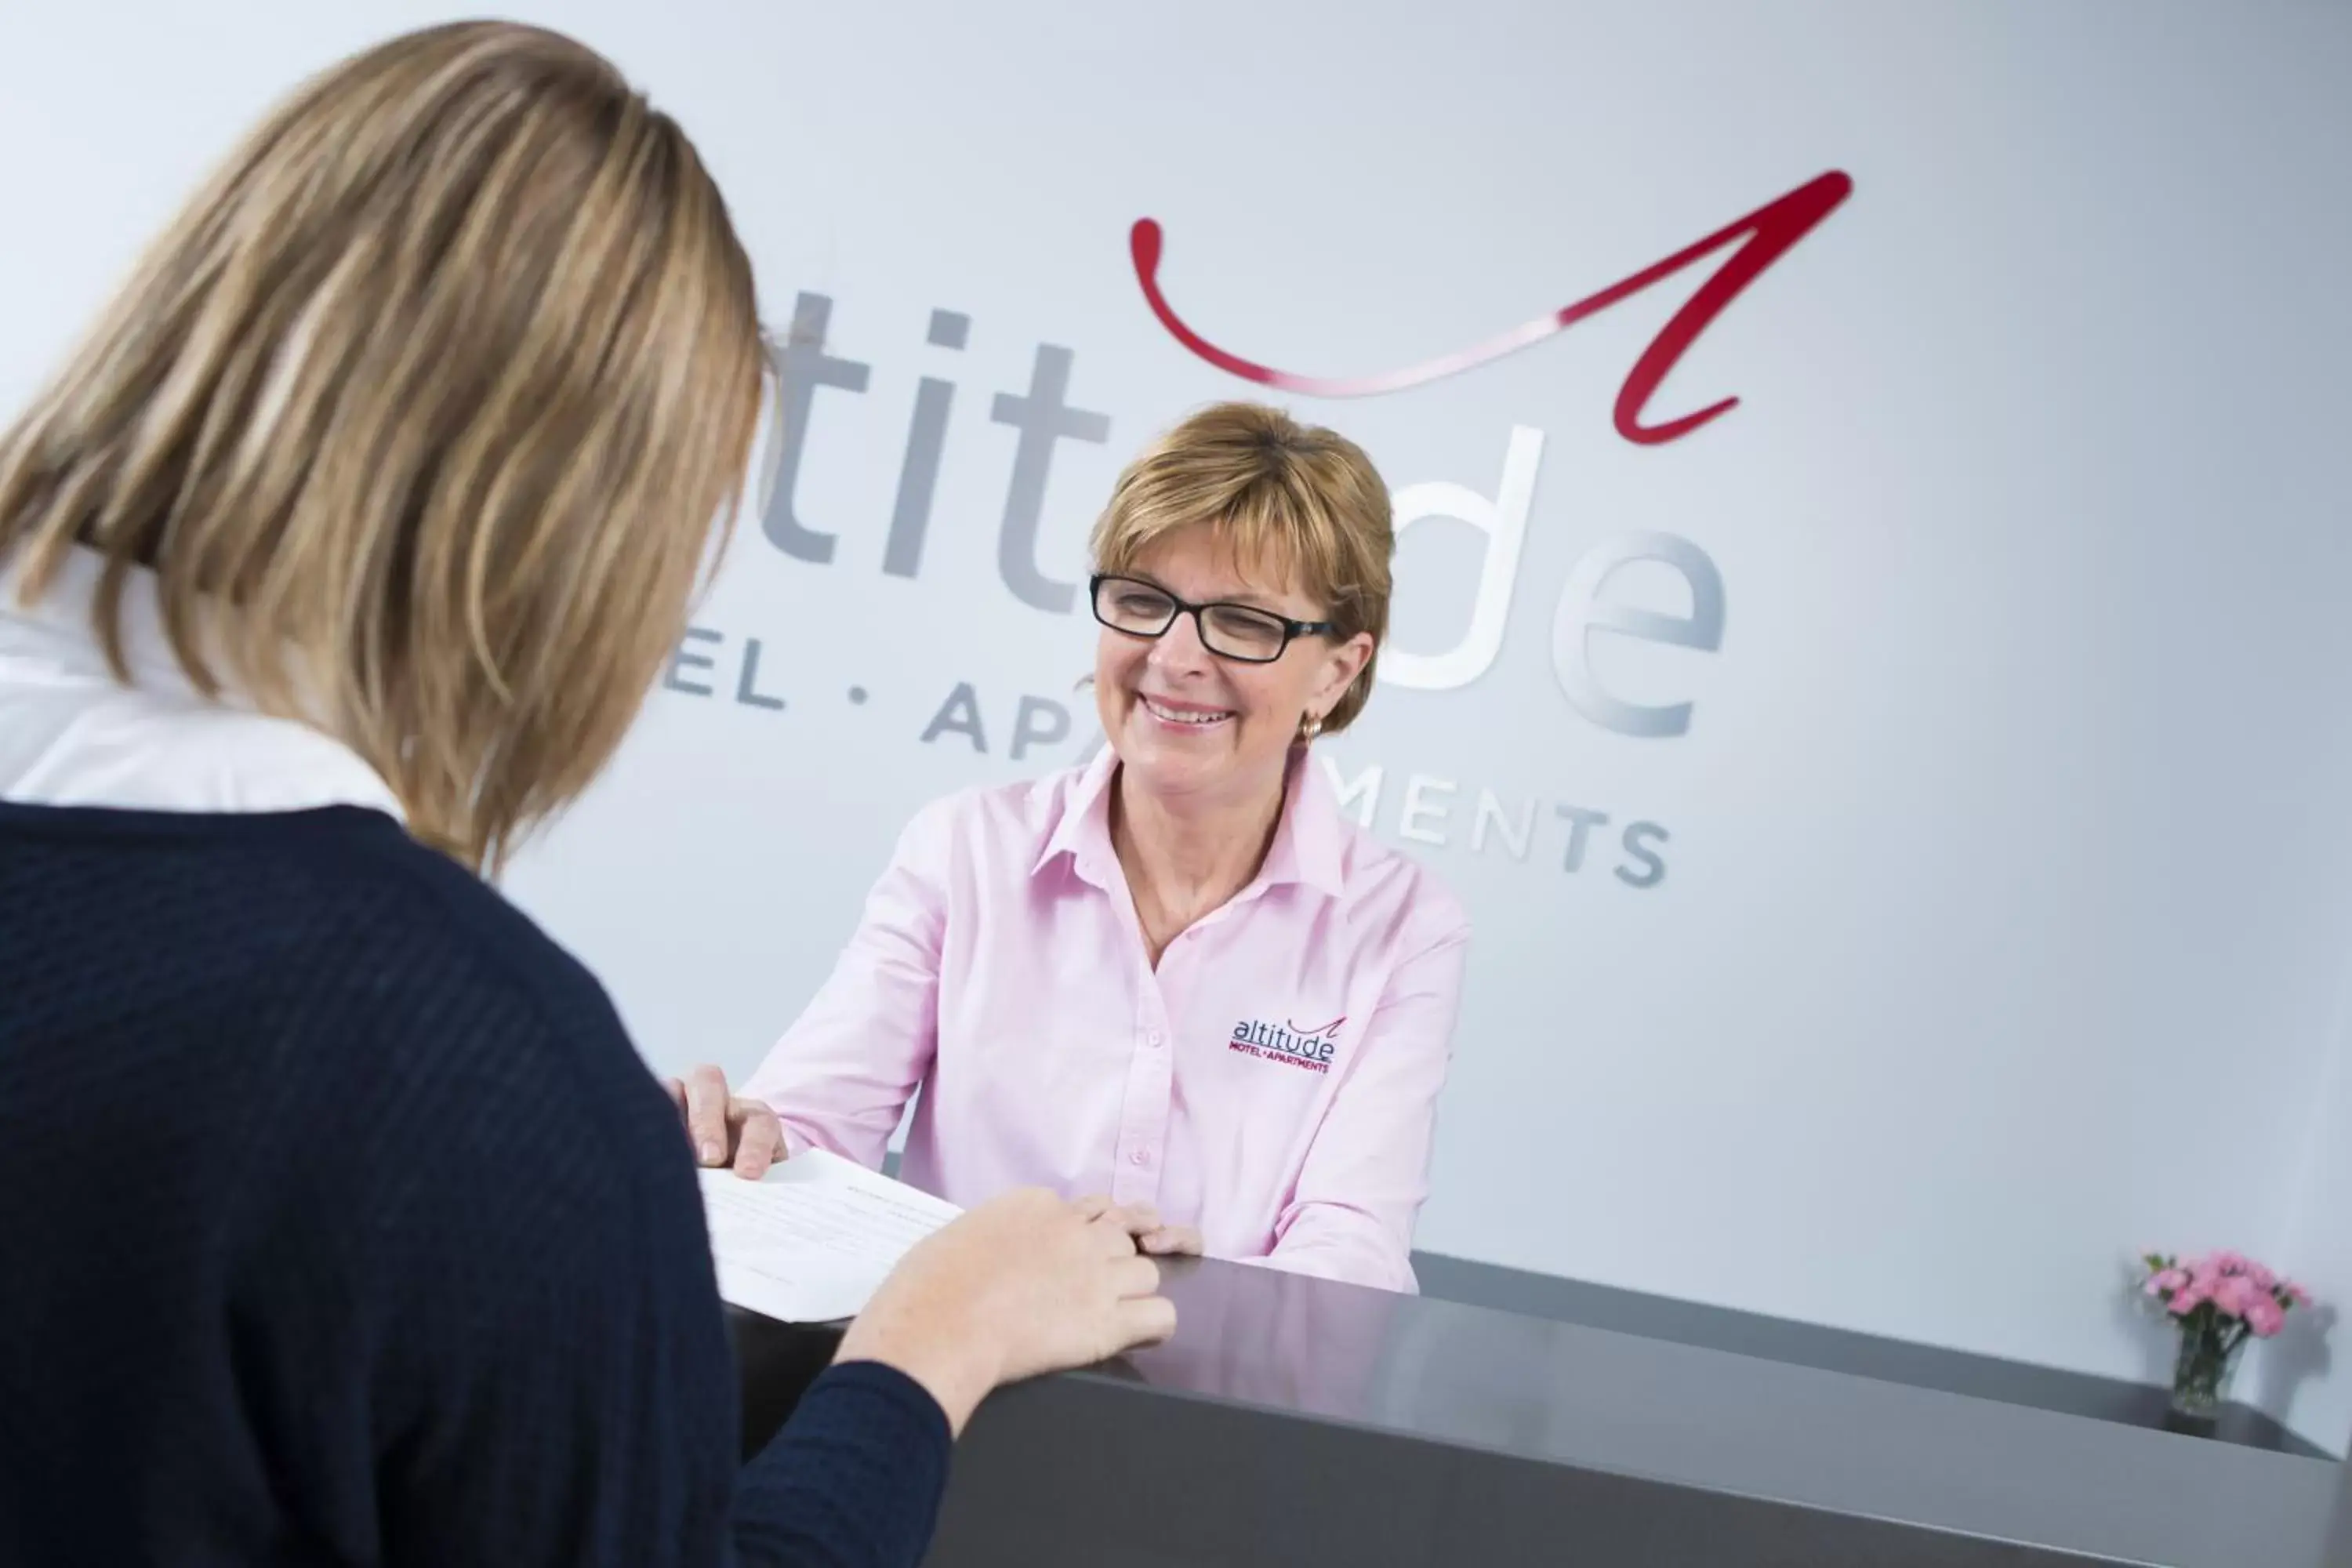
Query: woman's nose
pixel 1180 647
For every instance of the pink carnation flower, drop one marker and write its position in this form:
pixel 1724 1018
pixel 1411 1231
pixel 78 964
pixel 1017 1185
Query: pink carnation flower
pixel 2236 1295
pixel 2265 1317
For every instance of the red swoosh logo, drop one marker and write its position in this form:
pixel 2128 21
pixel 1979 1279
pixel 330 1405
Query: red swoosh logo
pixel 1763 236
pixel 1326 1029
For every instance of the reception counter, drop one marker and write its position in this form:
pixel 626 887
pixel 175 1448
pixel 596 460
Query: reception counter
pixel 1293 1421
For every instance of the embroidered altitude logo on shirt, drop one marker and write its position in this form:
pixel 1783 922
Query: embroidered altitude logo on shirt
pixel 1308 1048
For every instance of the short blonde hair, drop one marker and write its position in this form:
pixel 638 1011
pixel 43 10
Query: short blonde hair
pixel 1295 499
pixel 422 412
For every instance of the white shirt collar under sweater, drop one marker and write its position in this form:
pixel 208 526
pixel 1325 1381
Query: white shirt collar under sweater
pixel 71 734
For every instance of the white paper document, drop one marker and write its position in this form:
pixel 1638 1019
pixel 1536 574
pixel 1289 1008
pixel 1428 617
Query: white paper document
pixel 812 1240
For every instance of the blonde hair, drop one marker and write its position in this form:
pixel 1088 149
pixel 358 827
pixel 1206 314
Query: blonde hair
pixel 1298 501
pixel 422 412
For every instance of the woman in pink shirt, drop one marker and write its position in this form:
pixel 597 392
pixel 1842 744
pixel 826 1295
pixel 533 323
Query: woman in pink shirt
pixel 1176 975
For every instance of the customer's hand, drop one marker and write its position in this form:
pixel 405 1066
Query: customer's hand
pixel 726 1130
pixel 1022 1285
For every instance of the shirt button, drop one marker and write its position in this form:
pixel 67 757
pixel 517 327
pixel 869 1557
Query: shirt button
pixel 1139 1158
pixel 1152 1039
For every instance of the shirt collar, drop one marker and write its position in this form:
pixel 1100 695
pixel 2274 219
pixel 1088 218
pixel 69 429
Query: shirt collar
pixel 1307 841
pixel 157 742
pixel 1306 846
pixel 1084 831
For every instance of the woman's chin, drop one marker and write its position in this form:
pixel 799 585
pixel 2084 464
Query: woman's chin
pixel 1171 770
pixel 1179 764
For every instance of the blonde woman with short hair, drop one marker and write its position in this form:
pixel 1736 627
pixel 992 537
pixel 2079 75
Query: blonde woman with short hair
pixel 1176 975
pixel 342 1223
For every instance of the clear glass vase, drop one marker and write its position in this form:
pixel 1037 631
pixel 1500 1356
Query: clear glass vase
pixel 2201 1374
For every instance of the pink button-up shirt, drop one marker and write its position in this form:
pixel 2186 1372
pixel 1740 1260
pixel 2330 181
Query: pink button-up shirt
pixel 1273 1082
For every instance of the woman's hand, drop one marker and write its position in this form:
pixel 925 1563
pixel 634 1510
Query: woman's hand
pixel 726 1130
pixel 1152 1238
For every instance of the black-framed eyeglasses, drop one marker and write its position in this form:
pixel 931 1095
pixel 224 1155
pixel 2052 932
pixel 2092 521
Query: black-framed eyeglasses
pixel 1240 632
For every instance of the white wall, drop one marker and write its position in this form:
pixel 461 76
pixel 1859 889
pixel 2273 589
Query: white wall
pixel 2005 910
pixel 2305 1376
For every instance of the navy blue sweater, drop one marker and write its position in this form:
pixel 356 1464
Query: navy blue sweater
pixel 339 1223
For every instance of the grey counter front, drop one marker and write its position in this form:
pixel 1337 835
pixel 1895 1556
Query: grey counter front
pixel 1293 1421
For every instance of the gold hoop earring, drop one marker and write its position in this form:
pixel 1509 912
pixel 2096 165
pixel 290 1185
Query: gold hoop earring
pixel 1309 726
